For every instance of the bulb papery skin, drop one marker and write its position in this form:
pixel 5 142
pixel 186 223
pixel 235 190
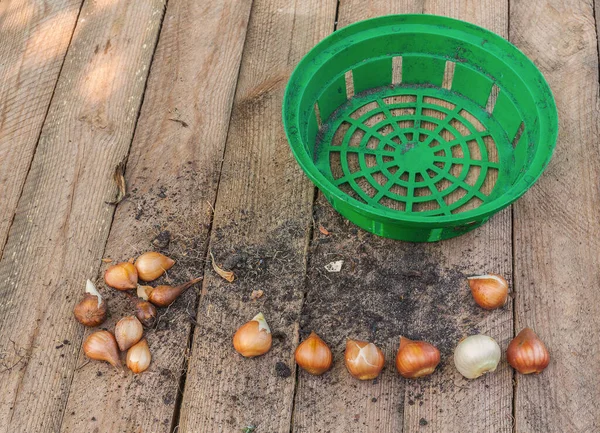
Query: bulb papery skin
pixel 102 346
pixel 91 289
pixel 138 357
pixel 476 355
pixel 128 331
pixel 313 355
pixel 262 323
pixel 163 296
pixel 90 311
pixel 122 276
pixel 489 291
pixel 527 354
pixel 152 265
pixel 364 360
pixel 146 313
pixel 253 338
pixel 416 358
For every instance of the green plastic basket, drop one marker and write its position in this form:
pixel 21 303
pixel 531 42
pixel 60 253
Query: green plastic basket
pixel 419 127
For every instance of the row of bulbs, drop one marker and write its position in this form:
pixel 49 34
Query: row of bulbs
pixel 473 356
pixel 92 310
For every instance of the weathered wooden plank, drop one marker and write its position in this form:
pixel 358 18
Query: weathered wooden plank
pixel 450 402
pixel 261 228
pixel 62 221
pixel 34 39
pixel 389 288
pixel 557 227
pixel 173 171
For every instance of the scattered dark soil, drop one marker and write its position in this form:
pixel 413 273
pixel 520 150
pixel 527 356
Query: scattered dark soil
pixel 162 240
pixel 385 289
pixel 275 266
pixel 282 370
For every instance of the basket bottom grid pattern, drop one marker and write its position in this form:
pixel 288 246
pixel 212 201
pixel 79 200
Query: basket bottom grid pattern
pixel 415 149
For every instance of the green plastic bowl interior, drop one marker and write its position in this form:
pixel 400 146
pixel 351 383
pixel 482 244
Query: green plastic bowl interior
pixel 419 127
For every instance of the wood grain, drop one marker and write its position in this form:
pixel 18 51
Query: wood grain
pixel 556 225
pixel 450 402
pixel 62 221
pixel 261 228
pixel 172 173
pixel 35 37
pixel 389 288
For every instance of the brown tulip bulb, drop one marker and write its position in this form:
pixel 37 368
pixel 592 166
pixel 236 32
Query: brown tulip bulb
pixel 121 276
pixel 527 354
pixel 313 355
pixel 416 358
pixel 364 360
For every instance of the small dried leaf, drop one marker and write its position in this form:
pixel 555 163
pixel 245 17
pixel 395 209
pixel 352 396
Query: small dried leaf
pixel 334 266
pixel 227 275
pixel 323 230
pixel 256 294
pixel 119 178
pixel 107 260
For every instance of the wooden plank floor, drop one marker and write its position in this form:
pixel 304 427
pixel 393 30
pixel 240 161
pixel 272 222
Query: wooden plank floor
pixel 188 95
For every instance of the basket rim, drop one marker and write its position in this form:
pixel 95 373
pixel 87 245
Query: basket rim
pixel 494 45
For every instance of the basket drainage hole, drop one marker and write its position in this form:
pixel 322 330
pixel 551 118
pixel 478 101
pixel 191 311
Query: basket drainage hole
pixel 424 206
pixel 448 75
pixel 392 204
pixel 338 137
pixel 472 120
pixel 396 70
pixel 518 134
pixel 440 102
pixel 356 138
pixel 364 110
pixel 489 106
pixel 370 160
pixel 472 203
pixel 318 115
pixel 349 84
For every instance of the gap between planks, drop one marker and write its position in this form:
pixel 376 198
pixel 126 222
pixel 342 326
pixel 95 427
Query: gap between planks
pixel 170 166
pixel 124 162
pixel 33 262
pixel 488 250
pixel 311 233
pixel 177 409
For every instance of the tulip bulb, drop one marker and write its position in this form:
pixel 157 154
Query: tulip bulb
pixel 128 331
pixel 489 291
pixel 527 354
pixel 163 296
pixel 122 276
pixel 102 346
pixel 145 313
pixel 416 358
pixel 253 338
pixel 152 265
pixel 144 310
pixel 364 360
pixel 313 355
pixel 476 355
pixel 139 357
pixel 91 310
